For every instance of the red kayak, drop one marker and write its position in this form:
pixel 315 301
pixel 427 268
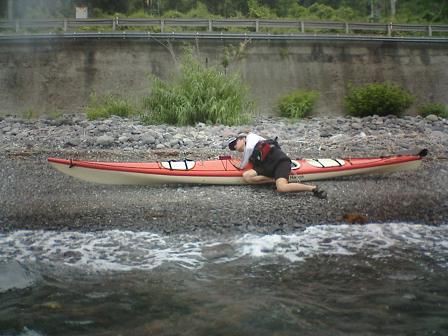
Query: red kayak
pixel 224 169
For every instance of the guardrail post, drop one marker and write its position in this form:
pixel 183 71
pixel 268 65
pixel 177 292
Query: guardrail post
pixel 114 23
pixel 210 26
pixel 17 26
pixel 302 26
pixel 257 25
pixel 389 29
pixel 162 25
pixel 347 28
pixel 429 30
pixel 65 25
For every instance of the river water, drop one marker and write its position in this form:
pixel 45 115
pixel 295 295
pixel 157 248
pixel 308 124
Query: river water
pixel 375 279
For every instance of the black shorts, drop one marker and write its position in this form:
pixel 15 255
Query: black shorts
pixel 277 165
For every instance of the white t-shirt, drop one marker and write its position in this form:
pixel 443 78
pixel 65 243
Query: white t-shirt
pixel 251 140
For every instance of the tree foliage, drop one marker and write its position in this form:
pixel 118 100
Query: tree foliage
pixel 345 10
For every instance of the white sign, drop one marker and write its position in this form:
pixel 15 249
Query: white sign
pixel 82 12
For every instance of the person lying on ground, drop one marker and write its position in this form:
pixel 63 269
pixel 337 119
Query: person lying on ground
pixel 269 164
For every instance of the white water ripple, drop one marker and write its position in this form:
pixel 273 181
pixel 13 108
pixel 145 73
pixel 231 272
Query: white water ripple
pixel 117 250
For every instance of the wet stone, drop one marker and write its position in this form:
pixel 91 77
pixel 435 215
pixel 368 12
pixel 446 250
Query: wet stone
pixel 218 251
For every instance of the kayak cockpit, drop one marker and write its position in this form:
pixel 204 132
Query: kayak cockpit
pixel 178 164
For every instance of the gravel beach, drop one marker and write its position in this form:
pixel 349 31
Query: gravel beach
pixel 35 196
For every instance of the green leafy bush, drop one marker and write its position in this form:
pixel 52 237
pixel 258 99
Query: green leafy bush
pixel 321 11
pixel 256 10
pixel 297 104
pixel 198 94
pixel 377 98
pixel 108 105
pixel 434 108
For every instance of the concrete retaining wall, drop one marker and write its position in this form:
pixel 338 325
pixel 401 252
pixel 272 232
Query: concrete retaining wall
pixel 58 75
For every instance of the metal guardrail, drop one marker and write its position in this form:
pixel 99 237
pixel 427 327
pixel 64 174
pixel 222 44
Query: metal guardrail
pixel 213 25
pixel 190 36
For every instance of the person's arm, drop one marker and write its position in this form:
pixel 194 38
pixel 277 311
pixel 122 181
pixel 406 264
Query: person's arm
pixel 251 141
pixel 246 157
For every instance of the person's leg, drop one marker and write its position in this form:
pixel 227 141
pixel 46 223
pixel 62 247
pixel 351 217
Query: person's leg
pixel 283 185
pixel 252 177
pixel 281 182
pixel 281 174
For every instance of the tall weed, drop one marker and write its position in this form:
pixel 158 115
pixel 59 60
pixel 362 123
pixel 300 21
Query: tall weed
pixel 198 94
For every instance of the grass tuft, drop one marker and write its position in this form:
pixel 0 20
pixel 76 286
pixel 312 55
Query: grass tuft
pixel 298 104
pixel 102 107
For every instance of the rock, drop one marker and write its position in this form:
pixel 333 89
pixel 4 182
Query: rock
pixel 148 139
pixel 439 135
pixel 345 128
pixel 218 251
pixel 174 142
pixel 187 142
pixel 103 128
pixel 326 133
pixel 338 138
pixel 136 132
pixel 105 140
pixel 354 218
pixel 432 117
pixel 123 139
pixel 72 142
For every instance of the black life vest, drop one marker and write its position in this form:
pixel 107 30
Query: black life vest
pixel 262 149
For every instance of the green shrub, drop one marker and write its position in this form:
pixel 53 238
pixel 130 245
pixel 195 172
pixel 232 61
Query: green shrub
pixel 377 98
pixel 434 108
pixel 108 105
pixel 173 14
pixel 297 104
pixel 198 94
pixel 258 11
pixel 321 11
pixel 200 11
